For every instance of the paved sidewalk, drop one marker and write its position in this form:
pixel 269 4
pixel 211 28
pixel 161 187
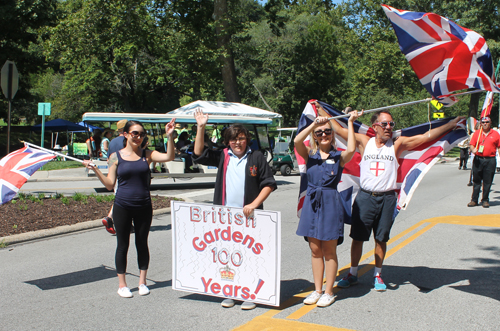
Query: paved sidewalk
pixel 59 175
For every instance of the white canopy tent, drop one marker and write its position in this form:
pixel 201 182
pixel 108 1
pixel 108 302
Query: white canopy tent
pixel 219 112
pixel 224 108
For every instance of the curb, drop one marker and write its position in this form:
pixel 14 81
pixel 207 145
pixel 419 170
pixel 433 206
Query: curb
pixel 63 229
pixel 62 179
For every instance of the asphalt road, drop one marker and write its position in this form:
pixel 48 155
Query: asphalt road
pixel 442 272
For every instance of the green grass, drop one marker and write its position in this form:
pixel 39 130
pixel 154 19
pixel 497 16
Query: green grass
pixel 58 165
pixel 454 152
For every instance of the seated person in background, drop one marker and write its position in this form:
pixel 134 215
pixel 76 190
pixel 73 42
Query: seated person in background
pixel 183 140
pixel 192 133
pixel 182 146
pixel 94 144
pixel 106 137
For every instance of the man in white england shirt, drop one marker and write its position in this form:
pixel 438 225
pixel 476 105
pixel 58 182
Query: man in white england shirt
pixel 374 206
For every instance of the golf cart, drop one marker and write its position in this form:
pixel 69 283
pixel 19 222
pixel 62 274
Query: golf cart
pixel 220 113
pixel 284 159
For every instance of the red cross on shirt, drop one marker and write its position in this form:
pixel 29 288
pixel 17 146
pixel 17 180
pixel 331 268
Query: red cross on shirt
pixel 377 168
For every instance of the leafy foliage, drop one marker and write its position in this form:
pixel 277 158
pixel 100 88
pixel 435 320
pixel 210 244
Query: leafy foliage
pixel 154 56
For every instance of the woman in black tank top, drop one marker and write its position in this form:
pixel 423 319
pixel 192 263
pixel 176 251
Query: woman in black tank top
pixel 130 167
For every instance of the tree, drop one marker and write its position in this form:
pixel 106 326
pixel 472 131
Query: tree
pixel 297 64
pixel 114 57
pixel 226 56
pixel 21 24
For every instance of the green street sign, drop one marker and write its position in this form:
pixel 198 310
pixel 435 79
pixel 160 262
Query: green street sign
pixel 44 108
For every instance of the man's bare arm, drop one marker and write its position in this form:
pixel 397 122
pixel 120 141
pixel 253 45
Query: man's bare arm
pixel 408 143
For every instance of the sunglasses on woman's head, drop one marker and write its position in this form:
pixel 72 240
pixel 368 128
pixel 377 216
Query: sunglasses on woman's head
pixel 319 133
pixel 136 134
pixel 384 124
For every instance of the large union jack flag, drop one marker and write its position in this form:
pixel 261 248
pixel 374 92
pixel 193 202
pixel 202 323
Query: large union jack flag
pixel 445 56
pixel 17 167
pixel 413 164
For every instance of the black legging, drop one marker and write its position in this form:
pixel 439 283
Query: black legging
pixel 123 224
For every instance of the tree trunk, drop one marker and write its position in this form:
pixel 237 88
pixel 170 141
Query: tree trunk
pixel 226 57
pixel 474 105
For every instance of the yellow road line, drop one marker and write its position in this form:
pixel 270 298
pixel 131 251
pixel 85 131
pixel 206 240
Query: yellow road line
pixel 492 221
pixel 266 320
pixel 275 324
pixel 307 308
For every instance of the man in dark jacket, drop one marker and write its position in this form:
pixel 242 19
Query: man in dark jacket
pixel 244 178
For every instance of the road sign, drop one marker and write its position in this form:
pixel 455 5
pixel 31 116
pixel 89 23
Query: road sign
pixel 44 108
pixel 9 79
pixel 437 115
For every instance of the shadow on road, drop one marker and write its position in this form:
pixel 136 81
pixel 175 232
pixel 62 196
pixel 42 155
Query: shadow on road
pixel 478 281
pixel 87 276
pixel 160 227
pixel 74 278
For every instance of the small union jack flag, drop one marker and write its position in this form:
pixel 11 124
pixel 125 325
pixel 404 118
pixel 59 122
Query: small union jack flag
pixel 488 105
pixel 445 56
pixel 17 167
pixel 413 164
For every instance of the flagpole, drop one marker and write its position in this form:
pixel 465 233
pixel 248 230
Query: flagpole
pixel 408 103
pixel 53 152
pixel 383 108
pixel 496 81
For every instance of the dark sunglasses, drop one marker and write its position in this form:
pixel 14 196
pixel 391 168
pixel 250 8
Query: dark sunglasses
pixel 136 134
pixel 238 139
pixel 319 133
pixel 484 122
pixel 384 124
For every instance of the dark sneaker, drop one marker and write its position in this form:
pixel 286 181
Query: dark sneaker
pixel 469 184
pixel 348 281
pixel 108 223
pixel 472 204
pixel 379 284
pixel 485 204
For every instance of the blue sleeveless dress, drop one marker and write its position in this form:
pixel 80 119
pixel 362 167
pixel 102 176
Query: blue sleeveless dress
pixel 322 215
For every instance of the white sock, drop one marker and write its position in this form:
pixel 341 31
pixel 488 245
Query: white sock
pixel 353 271
pixel 377 272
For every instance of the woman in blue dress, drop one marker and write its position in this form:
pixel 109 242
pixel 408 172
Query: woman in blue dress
pixel 321 219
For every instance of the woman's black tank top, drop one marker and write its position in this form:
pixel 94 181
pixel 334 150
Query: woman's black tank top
pixel 133 183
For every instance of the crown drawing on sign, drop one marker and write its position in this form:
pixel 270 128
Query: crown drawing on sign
pixel 227 273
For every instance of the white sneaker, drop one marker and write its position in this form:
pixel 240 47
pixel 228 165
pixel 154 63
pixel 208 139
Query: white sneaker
pixel 143 290
pixel 312 298
pixel 247 305
pixel 227 303
pixel 326 300
pixel 124 292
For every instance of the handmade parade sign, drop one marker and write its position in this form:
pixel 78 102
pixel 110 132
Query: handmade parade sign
pixel 217 251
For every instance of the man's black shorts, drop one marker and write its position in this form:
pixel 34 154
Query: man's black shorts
pixel 373 212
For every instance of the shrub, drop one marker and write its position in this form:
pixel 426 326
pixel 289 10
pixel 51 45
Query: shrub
pixel 80 197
